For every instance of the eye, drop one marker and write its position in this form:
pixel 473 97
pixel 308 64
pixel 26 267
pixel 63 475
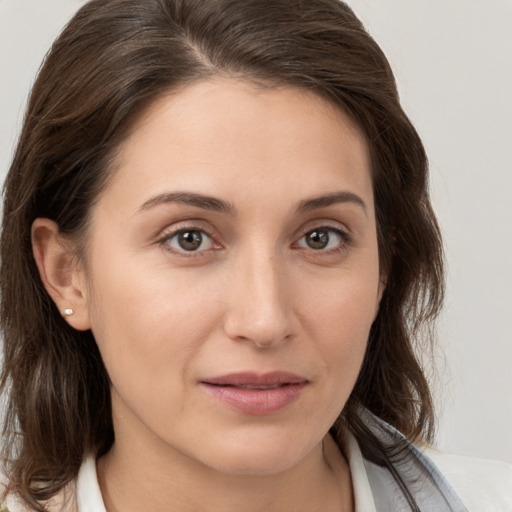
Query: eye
pixel 189 240
pixel 323 238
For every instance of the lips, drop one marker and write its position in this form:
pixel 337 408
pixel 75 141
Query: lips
pixel 256 394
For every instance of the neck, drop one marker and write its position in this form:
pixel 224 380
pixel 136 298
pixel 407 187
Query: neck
pixel 132 478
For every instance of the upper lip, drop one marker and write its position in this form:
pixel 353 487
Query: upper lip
pixel 253 379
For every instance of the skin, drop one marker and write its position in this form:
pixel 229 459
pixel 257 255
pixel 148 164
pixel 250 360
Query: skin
pixel 255 296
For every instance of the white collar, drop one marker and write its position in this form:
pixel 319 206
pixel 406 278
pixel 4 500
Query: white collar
pixel 88 494
pixel 363 495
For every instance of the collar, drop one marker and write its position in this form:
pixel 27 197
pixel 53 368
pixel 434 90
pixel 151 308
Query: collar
pixel 88 492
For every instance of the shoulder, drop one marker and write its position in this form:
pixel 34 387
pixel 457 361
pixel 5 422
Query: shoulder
pixel 481 484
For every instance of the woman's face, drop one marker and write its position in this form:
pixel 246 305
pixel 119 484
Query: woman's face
pixel 233 276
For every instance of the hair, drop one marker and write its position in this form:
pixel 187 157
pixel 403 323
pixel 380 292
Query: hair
pixel 113 60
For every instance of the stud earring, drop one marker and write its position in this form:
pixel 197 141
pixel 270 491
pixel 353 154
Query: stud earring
pixel 68 312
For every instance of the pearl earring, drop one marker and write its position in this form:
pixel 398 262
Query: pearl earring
pixel 68 312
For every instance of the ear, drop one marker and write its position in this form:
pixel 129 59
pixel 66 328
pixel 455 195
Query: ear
pixel 62 275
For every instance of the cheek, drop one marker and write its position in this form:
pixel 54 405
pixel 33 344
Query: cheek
pixel 344 303
pixel 339 315
pixel 149 325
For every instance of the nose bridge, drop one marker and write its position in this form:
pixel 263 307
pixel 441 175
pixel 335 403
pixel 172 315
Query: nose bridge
pixel 260 309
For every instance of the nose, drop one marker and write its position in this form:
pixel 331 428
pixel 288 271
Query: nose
pixel 260 310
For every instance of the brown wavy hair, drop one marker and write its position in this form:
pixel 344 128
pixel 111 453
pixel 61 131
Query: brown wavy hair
pixel 113 60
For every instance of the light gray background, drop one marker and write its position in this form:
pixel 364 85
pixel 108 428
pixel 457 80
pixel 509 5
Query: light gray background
pixel 453 62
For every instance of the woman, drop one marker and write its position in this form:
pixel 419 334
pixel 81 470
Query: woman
pixel 218 252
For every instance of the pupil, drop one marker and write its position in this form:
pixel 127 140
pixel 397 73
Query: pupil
pixel 317 239
pixel 190 240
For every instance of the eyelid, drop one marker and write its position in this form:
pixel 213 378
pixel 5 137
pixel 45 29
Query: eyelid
pixel 323 224
pixel 343 234
pixel 171 231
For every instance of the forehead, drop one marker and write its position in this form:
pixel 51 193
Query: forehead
pixel 228 134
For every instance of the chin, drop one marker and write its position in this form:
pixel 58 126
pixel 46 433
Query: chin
pixel 260 465
pixel 258 455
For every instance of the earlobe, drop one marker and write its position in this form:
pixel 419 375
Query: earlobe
pixel 60 273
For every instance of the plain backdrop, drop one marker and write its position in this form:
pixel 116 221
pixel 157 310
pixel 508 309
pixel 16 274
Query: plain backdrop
pixel 453 63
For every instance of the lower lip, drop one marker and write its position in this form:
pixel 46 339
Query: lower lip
pixel 257 401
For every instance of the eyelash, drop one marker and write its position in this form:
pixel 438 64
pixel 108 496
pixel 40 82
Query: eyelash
pixel 167 237
pixel 344 237
pixel 345 241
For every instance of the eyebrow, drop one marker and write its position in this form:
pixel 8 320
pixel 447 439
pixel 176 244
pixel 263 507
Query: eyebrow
pixel 218 205
pixel 330 199
pixel 191 199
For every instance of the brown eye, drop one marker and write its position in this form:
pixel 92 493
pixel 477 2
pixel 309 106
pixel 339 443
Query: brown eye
pixel 323 238
pixel 189 240
pixel 317 239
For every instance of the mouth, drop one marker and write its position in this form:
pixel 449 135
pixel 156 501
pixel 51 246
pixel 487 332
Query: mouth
pixel 256 394
pixel 249 386
pixel 255 380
